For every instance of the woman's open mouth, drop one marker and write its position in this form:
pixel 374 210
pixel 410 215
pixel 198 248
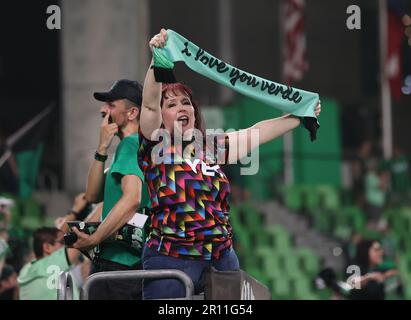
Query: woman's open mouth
pixel 183 120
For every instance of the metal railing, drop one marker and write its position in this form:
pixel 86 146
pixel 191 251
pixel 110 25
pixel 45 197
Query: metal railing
pixel 65 288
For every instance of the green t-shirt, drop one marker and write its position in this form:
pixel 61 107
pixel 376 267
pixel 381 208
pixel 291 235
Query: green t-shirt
pixel 373 192
pixel 400 174
pixel 124 162
pixel 38 280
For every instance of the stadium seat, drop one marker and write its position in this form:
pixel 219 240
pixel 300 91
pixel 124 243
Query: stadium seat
pixel 303 289
pixel 329 198
pixel 253 218
pixel 32 208
pixel 260 276
pixel 278 238
pixel 322 221
pixel 312 198
pixel 281 287
pixel 294 197
pixel 242 241
pixel 309 261
pixel 31 222
pixel 291 264
pixel 234 217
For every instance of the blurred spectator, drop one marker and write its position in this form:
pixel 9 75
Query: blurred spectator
pixel 359 169
pixel 38 279
pixel 350 247
pixel 8 275
pixel 398 7
pixel 376 188
pixel 5 217
pixel 14 237
pixel 4 248
pixel 369 258
pixel 389 244
pixel 8 283
pixel 400 178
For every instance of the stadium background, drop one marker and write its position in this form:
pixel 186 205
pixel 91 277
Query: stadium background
pixel 286 232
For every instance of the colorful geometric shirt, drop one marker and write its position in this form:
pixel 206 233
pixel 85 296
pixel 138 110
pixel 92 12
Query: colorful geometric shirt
pixel 189 200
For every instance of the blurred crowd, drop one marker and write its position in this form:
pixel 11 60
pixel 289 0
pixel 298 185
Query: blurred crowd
pixel 34 258
pixel 379 184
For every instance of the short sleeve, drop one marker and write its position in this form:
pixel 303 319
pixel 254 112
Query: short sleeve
pixel 125 162
pixel 146 146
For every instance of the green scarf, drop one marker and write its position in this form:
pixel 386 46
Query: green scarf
pixel 297 102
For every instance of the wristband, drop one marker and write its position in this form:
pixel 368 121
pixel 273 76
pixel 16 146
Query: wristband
pixel 100 157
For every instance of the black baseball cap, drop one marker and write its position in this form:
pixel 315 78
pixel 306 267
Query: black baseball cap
pixel 122 89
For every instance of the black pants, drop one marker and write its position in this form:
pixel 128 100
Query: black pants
pixel 115 289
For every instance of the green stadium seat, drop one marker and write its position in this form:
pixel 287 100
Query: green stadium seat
pixel 264 251
pixel 389 215
pixel 271 265
pixel 343 232
pixel 407 286
pixel 242 241
pixel 31 208
pixel 312 199
pixel 303 289
pixel 259 275
pixel 406 211
pixel 234 217
pixel 281 287
pixel 399 225
pixel 322 221
pixel 291 264
pixel 309 261
pixel 31 223
pixel 359 221
pixel 260 238
pixel 329 198
pixel 49 222
pixel 294 197
pixel 248 261
pixel 278 238
pixel 269 261
pixel 251 218
pixel 352 217
pixel 406 218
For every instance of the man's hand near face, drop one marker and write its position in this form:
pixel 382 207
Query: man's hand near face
pixel 107 133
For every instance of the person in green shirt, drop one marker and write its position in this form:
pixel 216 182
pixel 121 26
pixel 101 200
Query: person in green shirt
pixel 400 178
pixel 38 279
pixel 376 188
pixel 122 189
